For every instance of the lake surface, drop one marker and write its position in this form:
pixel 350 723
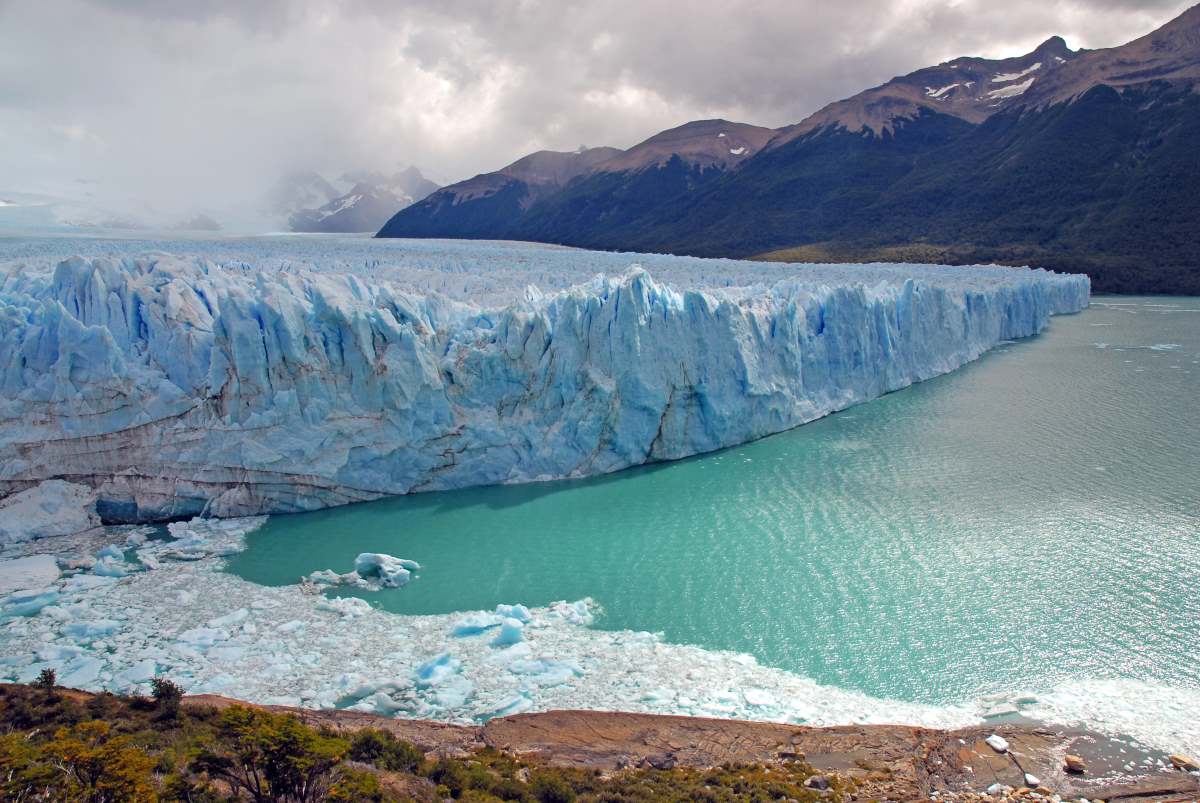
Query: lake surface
pixel 1030 519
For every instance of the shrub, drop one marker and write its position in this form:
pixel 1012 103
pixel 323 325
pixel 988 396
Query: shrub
pixel 551 789
pixel 47 679
pixel 167 696
pixel 382 749
pixel 101 767
pixel 271 756
pixel 357 786
pixel 449 774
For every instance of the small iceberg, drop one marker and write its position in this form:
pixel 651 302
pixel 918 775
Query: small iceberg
pixel 372 571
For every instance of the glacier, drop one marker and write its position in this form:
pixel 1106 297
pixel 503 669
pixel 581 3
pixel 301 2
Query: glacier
pixel 201 383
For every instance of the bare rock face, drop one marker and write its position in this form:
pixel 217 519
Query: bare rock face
pixel 51 508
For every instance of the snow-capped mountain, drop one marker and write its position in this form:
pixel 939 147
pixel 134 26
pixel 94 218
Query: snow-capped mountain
pixel 1075 160
pixel 972 89
pixel 373 198
pixel 302 189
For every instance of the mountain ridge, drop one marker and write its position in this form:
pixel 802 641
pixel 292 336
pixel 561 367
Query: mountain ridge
pixel 952 163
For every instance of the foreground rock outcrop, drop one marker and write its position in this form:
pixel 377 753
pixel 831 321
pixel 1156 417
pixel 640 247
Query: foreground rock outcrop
pixel 890 762
pixel 176 387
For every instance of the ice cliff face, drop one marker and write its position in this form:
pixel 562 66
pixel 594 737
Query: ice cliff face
pixel 178 386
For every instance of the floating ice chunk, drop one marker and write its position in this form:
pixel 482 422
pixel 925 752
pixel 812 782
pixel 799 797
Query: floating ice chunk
pixel 28 603
pixel 518 612
pixel 452 694
pixel 510 633
pixel 81 673
pixel 141 672
pixel 108 566
pixel 34 571
pixel 88 632
pixel 760 697
pixel 202 638
pixel 437 670
pixel 380 703
pixel 388 571
pixel 227 652
pixel 997 743
pixel 52 508
pixel 328 577
pixel 516 704
pixel 230 619
pixel 510 654
pixel 475 623
pixel 83 583
pixel 577 613
pixel 348 607
pixel 111 551
pixel 59 652
pixel 545 672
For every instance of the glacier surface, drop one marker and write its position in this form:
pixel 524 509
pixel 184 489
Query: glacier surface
pixel 186 384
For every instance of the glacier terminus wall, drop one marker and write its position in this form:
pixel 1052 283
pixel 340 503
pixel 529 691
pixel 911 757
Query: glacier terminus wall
pixel 177 385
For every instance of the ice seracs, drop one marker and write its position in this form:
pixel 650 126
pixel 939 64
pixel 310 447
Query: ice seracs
pixel 177 386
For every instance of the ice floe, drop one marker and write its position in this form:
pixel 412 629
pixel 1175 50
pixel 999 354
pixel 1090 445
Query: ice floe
pixel 182 616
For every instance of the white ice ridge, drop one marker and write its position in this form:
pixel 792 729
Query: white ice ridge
pixel 179 386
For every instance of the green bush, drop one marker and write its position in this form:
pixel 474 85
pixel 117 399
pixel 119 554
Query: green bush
pixel 271 757
pixel 551 789
pixel 382 749
pixel 450 774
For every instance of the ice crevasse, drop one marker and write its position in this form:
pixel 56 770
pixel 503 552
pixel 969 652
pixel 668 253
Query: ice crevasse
pixel 180 386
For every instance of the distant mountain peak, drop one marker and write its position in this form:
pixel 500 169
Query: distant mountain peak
pixel 970 88
pixel 372 198
pixel 700 143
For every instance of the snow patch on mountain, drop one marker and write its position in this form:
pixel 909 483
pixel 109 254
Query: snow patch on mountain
pixel 1012 90
pixel 1004 78
pixel 938 93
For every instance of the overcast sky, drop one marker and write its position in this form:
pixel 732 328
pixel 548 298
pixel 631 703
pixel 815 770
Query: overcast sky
pixel 191 103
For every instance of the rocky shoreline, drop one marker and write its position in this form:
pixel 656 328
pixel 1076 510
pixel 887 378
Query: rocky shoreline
pixel 887 762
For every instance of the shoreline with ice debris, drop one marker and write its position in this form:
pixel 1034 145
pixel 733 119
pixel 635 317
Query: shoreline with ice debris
pixel 179 386
pixel 875 762
pixel 114 607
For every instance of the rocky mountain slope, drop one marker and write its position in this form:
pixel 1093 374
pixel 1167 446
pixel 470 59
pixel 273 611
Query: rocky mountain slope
pixel 1077 161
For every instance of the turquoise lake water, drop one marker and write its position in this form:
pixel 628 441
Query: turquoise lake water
pixel 1031 518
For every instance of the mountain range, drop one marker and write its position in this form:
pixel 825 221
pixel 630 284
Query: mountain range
pixel 1079 160
pixel 309 203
